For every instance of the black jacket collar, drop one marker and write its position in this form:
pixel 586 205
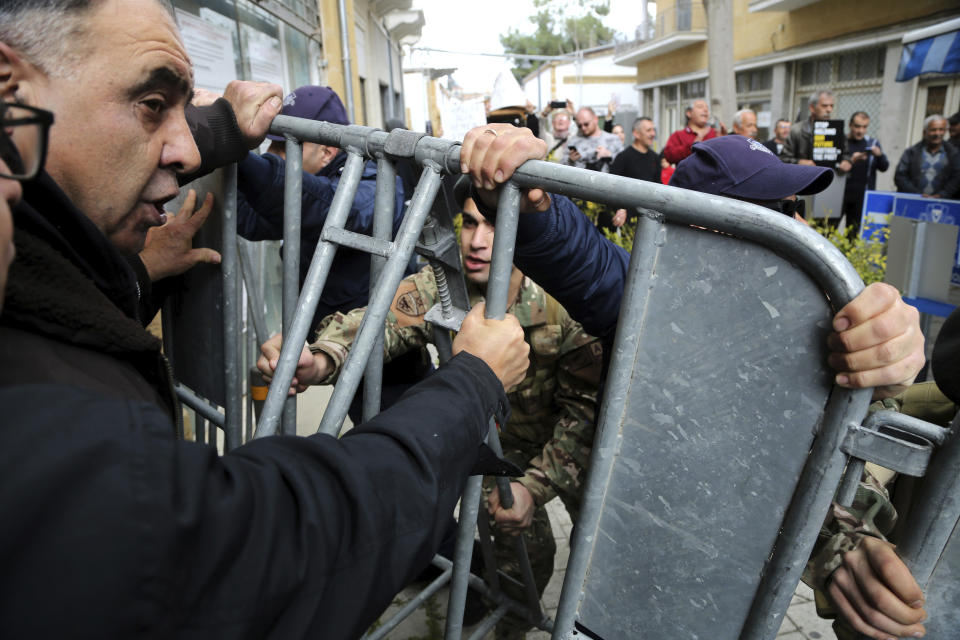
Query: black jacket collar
pixel 48 214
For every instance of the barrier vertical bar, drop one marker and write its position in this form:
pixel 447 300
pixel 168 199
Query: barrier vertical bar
pixel 292 196
pixel 383 210
pixel 463 551
pixel 233 409
pixel 936 510
pixel 498 287
pixel 818 482
pixel 296 335
pixel 254 295
pixel 642 263
pixel 379 303
pixel 497 302
pixel 252 354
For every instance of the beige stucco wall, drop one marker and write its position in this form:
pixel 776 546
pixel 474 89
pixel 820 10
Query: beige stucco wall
pixel 761 33
pixel 333 54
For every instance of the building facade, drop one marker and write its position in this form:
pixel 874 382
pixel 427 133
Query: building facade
pixel 298 42
pixel 783 50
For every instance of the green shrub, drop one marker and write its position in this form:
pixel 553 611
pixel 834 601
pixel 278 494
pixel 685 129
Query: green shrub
pixel 868 258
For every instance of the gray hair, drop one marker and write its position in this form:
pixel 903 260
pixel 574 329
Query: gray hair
pixel 931 119
pixel 636 123
pixel 738 116
pixel 690 104
pixel 816 95
pixel 46 32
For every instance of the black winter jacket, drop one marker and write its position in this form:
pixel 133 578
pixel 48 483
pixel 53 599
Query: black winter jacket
pixel 113 528
pixel 907 177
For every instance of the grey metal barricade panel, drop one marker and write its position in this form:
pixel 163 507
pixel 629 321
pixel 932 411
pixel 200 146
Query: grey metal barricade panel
pixel 730 379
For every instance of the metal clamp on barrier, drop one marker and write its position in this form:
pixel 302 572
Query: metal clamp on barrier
pixel 910 455
pixel 402 143
pixel 889 447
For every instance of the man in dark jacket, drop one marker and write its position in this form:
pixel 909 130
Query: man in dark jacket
pixel 120 529
pixel 866 157
pixel 931 167
pixel 260 217
pixel 799 145
pixel 260 207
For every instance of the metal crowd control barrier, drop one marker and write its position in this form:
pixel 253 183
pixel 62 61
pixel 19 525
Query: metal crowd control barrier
pixel 720 442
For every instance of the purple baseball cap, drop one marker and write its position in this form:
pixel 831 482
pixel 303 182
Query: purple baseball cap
pixel 313 103
pixel 740 167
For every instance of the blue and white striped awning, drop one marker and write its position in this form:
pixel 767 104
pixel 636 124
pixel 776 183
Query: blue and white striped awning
pixel 934 49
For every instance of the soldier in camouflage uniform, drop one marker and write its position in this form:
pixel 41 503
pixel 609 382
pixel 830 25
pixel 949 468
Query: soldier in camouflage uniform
pixel 872 514
pixel 553 410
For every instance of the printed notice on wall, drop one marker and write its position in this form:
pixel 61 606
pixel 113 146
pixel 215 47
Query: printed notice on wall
pixel 263 55
pixel 828 141
pixel 211 49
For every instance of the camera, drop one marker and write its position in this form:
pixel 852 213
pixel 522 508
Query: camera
pixel 558 104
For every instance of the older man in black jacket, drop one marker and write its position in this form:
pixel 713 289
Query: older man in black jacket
pixel 931 167
pixel 114 528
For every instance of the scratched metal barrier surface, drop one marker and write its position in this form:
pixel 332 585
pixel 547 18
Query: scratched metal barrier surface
pixel 703 502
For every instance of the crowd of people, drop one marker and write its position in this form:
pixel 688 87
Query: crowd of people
pixel 116 527
pixel 930 168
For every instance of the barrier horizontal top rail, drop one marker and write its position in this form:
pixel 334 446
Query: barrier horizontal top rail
pixel 815 253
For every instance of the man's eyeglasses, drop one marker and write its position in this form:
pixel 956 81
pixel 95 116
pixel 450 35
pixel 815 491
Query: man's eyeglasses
pixel 23 140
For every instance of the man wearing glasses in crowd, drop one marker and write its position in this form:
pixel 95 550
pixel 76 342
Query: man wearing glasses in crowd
pixel 115 527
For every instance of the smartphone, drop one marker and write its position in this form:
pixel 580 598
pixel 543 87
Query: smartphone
pixel 572 147
pixel 558 104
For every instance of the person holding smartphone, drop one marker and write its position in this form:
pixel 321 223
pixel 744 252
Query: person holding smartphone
pixel 866 158
pixel 592 148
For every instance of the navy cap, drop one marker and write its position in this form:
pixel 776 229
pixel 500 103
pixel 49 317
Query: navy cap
pixel 740 167
pixel 313 103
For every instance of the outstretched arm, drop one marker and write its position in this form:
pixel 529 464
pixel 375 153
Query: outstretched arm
pixel 877 340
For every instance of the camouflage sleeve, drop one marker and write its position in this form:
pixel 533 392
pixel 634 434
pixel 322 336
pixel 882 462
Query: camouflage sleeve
pixel 404 329
pixel 871 514
pixel 561 466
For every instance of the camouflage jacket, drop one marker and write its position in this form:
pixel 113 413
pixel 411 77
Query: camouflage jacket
pixel 553 410
pixel 872 512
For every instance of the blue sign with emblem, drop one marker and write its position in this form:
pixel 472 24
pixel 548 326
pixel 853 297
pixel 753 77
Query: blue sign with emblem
pixel 879 205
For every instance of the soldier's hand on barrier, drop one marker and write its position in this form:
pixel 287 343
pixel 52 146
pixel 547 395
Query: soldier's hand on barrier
pixel 312 368
pixel 168 250
pixel 255 105
pixel 876 594
pixel 877 342
pixel 491 153
pixel 518 517
pixel 499 343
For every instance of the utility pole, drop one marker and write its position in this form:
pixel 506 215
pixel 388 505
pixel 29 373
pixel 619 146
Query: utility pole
pixel 722 90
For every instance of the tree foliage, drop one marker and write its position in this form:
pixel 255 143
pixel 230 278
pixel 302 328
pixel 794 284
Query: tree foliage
pixel 559 27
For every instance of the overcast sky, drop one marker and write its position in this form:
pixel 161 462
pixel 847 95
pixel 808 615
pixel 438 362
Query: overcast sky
pixel 475 27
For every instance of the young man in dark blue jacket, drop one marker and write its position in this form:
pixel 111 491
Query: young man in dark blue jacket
pixel 260 181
